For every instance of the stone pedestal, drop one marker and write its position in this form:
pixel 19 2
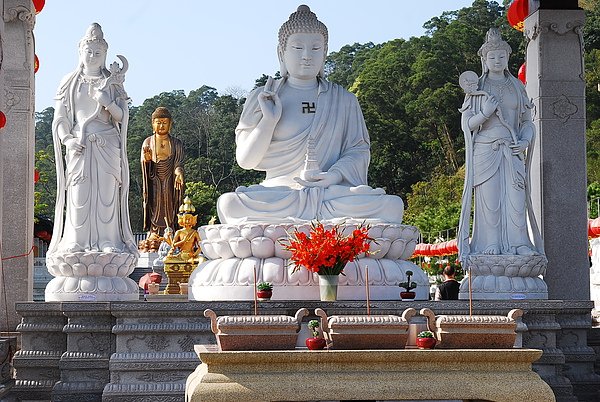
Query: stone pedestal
pixel 42 344
pixel 84 366
pixel 8 346
pixel 504 277
pixel 555 72
pixel 154 350
pixel 492 375
pixel 234 252
pixel 91 276
pixel 18 136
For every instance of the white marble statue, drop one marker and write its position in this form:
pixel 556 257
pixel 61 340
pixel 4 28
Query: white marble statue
pixel 93 239
pixel 499 135
pixel 310 138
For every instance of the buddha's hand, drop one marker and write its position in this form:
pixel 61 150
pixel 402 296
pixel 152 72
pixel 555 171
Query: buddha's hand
pixel 147 153
pixel 489 107
pixel 178 180
pixel 321 179
pixel 269 102
pixel 74 145
pixel 519 147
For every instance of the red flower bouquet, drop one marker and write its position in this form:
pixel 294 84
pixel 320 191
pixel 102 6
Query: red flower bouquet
pixel 326 252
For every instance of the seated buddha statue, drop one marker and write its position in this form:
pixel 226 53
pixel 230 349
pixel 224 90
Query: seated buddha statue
pixel 309 136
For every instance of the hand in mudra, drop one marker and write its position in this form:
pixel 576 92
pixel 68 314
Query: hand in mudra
pixel 75 145
pixel 147 153
pixel 321 179
pixel 269 102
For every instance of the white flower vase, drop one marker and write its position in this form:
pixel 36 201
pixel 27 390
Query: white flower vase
pixel 328 285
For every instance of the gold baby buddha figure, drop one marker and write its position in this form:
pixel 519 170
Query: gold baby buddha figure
pixel 183 257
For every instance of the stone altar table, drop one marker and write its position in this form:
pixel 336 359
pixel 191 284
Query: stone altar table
pixel 494 375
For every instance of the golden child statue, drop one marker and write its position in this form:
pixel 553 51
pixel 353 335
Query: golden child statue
pixel 185 245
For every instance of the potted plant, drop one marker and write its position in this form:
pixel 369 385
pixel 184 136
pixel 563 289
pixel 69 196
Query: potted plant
pixel 408 294
pixel 264 291
pixel 316 342
pixel 426 340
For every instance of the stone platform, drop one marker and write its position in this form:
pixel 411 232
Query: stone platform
pixel 145 350
pixel 502 375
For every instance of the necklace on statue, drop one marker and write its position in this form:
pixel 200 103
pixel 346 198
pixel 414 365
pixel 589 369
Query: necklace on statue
pixel 497 88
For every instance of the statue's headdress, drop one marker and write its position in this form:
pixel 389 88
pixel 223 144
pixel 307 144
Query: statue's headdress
pixel 301 21
pixel 161 112
pixel 493 41
pixel 93 34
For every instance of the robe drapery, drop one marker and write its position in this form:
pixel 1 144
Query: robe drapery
pixel 161 198
pixel 497 180
pixel 341 144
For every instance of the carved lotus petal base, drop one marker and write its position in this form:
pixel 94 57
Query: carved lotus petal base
pixel 505 277
pixel 233 279
pixel 489 287
pixel 91 276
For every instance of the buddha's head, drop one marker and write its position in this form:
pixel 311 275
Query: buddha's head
pixel 494 52
pixel 93 48
pixel 161 121
pixel 302 45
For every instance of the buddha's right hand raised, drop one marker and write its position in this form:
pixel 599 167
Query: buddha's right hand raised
pixel 269 102
pixel 147 153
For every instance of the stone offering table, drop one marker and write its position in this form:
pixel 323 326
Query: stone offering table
pixel 493 375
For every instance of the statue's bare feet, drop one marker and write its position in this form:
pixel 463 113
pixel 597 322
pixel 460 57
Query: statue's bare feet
pixel 524 250
pixel 73 248
pixel 492 250
pixel 111 250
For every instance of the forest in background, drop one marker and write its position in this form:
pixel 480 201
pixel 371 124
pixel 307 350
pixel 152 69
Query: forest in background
pixel 408 91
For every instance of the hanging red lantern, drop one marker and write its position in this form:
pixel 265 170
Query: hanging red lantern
pixel 36 176
pixel 522 75
pixel 518 10
pixel 36 63
pixel 38 5
pixel 594 228
pixel 2 120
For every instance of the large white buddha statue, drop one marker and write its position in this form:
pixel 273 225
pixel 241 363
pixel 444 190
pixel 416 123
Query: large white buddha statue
pixel 310 138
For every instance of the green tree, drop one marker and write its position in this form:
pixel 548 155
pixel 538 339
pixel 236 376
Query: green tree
pixel 343 66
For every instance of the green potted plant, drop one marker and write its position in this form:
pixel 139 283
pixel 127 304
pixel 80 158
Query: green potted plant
pixel 316 342
pixel 264 291
pixel 408 294
pixel 426 340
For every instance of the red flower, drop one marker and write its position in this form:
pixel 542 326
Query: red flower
pixel 326 252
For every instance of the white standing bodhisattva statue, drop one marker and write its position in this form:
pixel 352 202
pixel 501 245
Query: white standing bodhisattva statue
pixel 499 136
pixel 310 138
pixel 92 246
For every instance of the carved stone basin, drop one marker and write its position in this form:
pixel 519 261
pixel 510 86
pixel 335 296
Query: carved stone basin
pixel 473 332
pixel 256 332
pixel 366 331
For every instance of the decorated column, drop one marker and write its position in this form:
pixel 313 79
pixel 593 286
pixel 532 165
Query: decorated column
pixel 18 136
pixel 555 72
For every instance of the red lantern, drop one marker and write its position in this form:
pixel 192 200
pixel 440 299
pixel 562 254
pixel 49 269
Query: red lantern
pixel 36 63
pixel 518 10
pixel 36 176
pixel 594 227
pixel 2 120
pixel 522 75
pixel 38 5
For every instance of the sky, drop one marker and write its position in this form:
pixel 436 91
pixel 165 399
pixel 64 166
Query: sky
pixel 225 44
